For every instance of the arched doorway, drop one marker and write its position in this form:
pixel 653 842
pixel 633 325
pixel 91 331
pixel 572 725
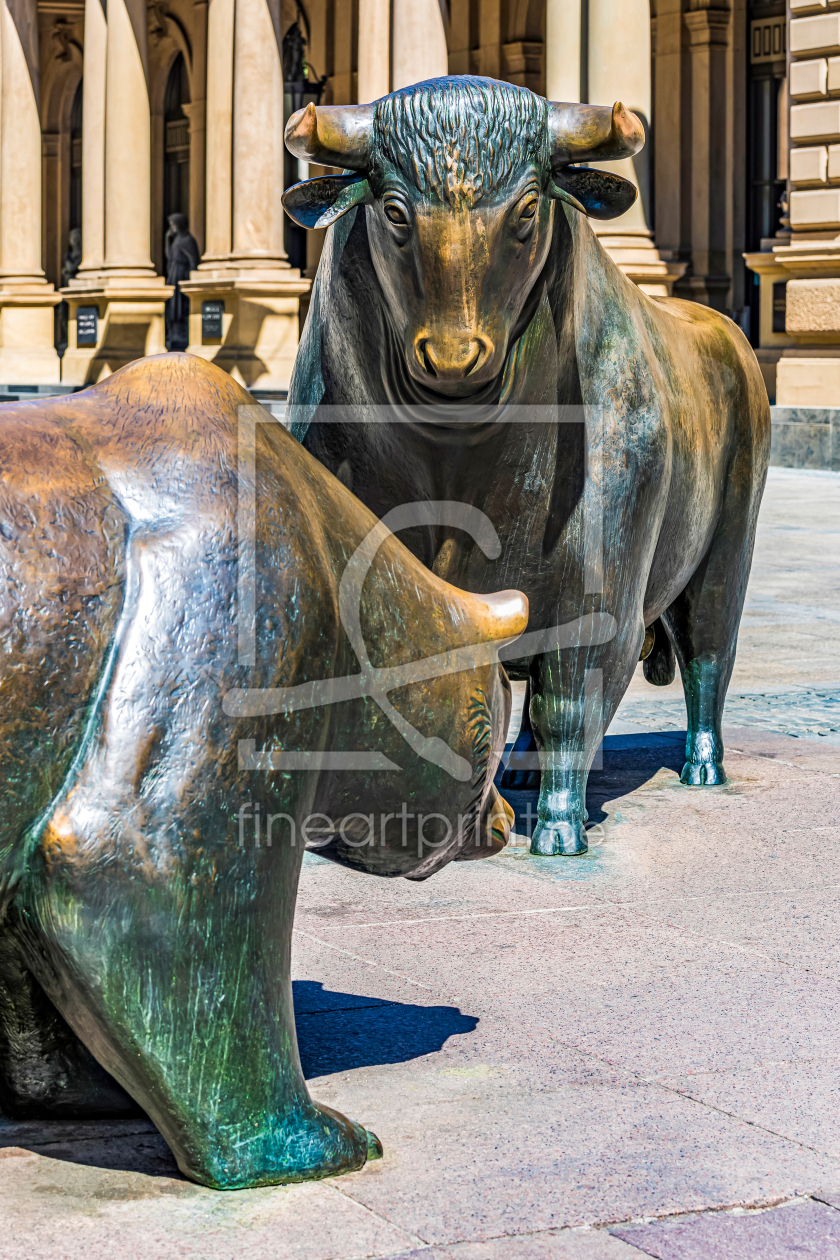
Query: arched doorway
pixel 72 256
pixel 176 147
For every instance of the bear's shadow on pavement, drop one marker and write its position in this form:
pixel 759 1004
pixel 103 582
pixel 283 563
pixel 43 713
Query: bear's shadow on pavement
pixel 336 1033
pixel 341 1031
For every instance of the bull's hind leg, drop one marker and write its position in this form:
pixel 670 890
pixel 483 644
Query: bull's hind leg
pixel 704 637
pixel 703 623
pixel 46 1073
pixel 522 770
pixel 175 972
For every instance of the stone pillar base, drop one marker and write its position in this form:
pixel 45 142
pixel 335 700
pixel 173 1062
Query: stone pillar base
pixel 260 324
pixel 131 326
pixel 634 253
pixel 809 378
pixel 27 335
pixel 808 371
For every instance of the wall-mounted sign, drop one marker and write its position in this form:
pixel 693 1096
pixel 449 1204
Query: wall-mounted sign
pixel 211 320
pixel 87 325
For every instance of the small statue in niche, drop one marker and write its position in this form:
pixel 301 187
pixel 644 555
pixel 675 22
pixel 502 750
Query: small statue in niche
pixel 69 268
pixel 182 255
pixel 73 257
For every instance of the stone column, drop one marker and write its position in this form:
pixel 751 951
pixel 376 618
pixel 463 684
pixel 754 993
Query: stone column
pixel 708 31
pixel 672 135
pixel 562 50
pixel 245 272
pixel 419 42
pixel 126 294
pixel 257 137
pixel 93 138
pixel 619 69
pixel 128 143
pixel 374 73
pixel 219 193
pixel 27 353
pixel 196 111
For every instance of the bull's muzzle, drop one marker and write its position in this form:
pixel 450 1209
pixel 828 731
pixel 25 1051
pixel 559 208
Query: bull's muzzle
pixel 442 361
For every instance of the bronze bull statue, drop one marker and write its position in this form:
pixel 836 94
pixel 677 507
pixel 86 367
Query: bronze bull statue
pixel 187 674
pixel 461 287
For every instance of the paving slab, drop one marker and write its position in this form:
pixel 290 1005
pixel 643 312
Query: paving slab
pixel 798 1097
pixel 57 1208
pixel 585 1244
pixel 798 1229
pixel 510 1136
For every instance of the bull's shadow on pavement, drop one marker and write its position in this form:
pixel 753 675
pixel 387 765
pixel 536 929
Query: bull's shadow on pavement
pixel 628 762
pixel 340 1031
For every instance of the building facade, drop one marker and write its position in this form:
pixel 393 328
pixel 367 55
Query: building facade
pixel 117 114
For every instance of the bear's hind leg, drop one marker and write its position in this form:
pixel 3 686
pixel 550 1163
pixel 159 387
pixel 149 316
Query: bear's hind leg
pixel 180 986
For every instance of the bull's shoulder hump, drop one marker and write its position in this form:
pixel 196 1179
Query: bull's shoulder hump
pixel 691 326
pixel 699 317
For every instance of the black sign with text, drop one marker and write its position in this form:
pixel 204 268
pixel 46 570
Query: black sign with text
pixel 87 325
pixel 211 320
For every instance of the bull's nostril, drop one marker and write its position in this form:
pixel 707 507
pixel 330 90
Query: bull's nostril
pixel 483 351
pixel 424 358
pixel 474 359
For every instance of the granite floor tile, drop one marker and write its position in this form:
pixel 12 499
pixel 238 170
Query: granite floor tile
pixel 568 1245
pixel 793 1230
pixel 499 1141
pixel 53 1208
pixel 797 927
pixel 624 986
pixel 800 1099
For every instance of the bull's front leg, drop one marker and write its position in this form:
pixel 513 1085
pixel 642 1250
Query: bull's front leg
pixel 574 694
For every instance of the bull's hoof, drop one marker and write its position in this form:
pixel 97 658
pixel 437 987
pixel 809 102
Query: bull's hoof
pixel 374 1146
pixel 559 839
pixel 703 773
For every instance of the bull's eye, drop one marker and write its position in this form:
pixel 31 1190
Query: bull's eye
pixel 395 214
pixel 525 214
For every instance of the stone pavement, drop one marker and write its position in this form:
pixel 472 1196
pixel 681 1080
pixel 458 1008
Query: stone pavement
pixel 633 1053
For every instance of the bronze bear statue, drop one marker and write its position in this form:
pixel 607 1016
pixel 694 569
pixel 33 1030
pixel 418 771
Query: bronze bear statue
pixel 193 689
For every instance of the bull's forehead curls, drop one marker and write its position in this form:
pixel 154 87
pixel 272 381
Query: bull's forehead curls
pixel 459 139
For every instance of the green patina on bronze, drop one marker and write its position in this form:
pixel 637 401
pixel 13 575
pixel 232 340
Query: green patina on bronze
pixel 144 935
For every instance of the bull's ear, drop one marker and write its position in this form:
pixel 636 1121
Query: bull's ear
pixel 318 202
pixel 597 193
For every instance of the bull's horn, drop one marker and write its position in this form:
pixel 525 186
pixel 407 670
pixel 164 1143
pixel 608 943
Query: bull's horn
pixel 332 135
pixel 582 133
